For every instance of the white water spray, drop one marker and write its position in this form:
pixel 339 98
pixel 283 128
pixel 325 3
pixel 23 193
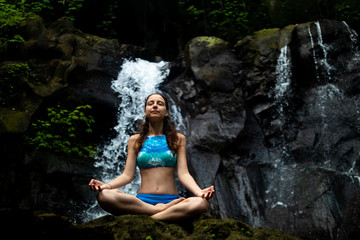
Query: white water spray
pixel 314 53
pixel 282 88
pixel 283 79
pixel 353 37
pixel 278 192
pixel 325 48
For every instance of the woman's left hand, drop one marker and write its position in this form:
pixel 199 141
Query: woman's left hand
pixel 207 193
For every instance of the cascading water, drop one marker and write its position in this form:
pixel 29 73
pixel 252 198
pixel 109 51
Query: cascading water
pixel 328 94
pixel 278 193
pixel 325 48
pixel 135 82
pixel 353 37
pixel 329 97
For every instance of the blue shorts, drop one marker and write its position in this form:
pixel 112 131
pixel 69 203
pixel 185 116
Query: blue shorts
pixel 157 198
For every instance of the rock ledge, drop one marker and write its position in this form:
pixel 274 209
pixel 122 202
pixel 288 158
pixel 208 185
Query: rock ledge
pixel 26 224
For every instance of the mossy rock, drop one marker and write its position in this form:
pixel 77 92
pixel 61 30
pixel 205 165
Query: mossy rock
pixel 133 227
pixel 42 225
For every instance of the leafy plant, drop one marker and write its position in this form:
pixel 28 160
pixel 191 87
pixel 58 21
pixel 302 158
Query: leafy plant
pixel 13 13
pixel 12 79
pixel 72 7
pixel 229 19
pixel 226 19
pixel 345 12
pixel 64 131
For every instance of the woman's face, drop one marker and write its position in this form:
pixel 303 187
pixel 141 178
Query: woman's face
pixel 156 107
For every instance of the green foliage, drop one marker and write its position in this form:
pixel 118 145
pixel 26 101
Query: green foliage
pixel 13 78
pixel 345 12
pixel 12 14
pixel 72 7
pixel 107 24
pixel 15 42
pixel 230 19
pixel 227 19
pixel 64 131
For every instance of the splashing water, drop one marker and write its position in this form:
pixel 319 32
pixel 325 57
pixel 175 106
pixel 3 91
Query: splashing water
pixel 135 82
pixel 314 53
pixel 283 80
pixel 353 37
pixel 324 48
pixel 283 74
pixel 321 63
pixel 278 192
pixel 282 88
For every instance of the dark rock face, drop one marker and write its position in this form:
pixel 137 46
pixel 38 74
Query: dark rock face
pixel 281 144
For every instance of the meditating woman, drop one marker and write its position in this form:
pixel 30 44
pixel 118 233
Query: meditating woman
pixel 157 150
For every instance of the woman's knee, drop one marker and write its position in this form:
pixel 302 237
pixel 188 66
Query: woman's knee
pixel 105 198
pixel 102 195
pixel 200 205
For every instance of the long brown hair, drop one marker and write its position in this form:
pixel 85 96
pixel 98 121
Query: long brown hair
pixel 168 130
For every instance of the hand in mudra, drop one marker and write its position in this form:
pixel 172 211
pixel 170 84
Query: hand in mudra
pixel 96 185
pixel 207 193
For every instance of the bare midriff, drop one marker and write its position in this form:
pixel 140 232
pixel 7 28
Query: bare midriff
pixel 158 180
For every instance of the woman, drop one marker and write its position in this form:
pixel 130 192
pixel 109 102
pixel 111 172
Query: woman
pixel 157 150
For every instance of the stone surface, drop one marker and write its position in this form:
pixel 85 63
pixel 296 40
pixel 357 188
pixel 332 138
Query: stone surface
pixel 41 225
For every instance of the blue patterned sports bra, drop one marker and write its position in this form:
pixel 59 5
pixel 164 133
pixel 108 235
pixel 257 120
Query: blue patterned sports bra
pixel 156 153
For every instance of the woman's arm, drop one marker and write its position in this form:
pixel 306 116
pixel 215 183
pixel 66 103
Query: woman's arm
pixel 128 174
pixel 184 175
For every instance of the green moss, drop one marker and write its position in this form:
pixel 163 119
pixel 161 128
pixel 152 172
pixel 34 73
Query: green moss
pixel 210 41
pixel 267 32
pixel 136 227
pixel 221 229
pixel 14 121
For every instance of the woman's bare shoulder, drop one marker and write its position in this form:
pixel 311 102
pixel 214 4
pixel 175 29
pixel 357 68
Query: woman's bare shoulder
pixel 181 137
pixel 133 138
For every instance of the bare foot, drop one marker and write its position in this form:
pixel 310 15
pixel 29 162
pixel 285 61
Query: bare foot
pixel 163 206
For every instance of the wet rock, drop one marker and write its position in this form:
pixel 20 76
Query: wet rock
pixel 212 62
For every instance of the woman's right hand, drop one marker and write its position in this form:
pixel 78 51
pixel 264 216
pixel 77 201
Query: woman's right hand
pixel 96 185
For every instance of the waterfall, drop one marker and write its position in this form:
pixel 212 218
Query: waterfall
pixel 326 97
pixel 314 53
pixel 353 37
pixel 320 60
pixel 324 48
pixel 283 74
pixel 135 82
pixel 329 96
pixel 282 88
pixel 278 193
